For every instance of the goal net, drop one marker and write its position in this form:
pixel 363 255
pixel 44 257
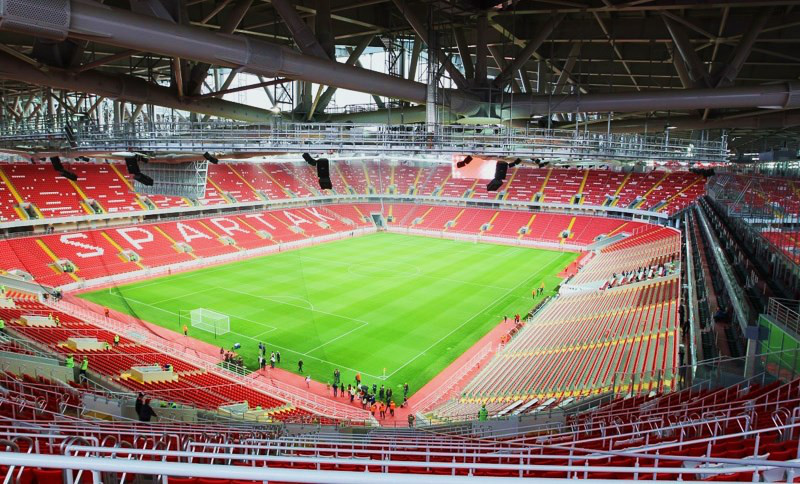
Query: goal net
pixel 211 321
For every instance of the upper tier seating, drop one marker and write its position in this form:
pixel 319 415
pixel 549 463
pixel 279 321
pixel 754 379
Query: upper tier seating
pixel 109 185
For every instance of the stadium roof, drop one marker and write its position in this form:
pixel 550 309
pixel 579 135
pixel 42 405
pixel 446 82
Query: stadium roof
pixel 691 65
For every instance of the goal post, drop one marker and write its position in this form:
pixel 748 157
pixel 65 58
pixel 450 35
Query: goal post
pixel 211 321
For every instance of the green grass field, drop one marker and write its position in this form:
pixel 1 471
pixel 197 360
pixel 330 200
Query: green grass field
pixel 407 304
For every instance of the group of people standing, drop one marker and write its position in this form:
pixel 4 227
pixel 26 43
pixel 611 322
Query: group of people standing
pixel 274 357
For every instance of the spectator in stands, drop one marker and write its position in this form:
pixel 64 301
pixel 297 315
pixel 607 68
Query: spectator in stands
pixel 308 381
pixel 70 362
pixel 341 389
pixel 116 340
pixel 84 368
pixel 410 419
pixel 106 312
pixel 146 412
pixel 483 414
pixel 300 366
pixel 2 326
pixel 139 403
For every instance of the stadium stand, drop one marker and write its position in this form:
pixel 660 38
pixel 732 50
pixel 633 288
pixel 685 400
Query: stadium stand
pixel 108 186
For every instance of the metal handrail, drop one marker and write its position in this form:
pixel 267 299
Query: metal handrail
pixel 297 137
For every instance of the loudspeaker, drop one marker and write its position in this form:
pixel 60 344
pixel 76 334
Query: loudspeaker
pixel 323 168
pixel 56 162
pixel 211 159
pixel 324 174
pixel 494 185
pixel 132 166
pixel 465 162
pixel 500 170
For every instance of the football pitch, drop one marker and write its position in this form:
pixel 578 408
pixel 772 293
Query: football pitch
pixel 396 308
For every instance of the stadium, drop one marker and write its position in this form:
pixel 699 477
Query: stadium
pixel 335 241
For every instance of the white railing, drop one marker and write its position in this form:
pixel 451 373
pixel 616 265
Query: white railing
pixel 447 386
pixel 785 312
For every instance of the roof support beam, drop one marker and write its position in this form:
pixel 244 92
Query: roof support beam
pixel 616 50
pixel 422 32
pixel 541 35
pixel 782 95
pixel 568 66
pixel 412 64
pixel 728 73
pixel 118 27
pixel 323 28
pixel 697 73
pixel 232 21
pixel 355 54
pixel 481 49
pixel 126 88
pixel 500 61
pixel 302 34
pixel 505 33
pixel 463 52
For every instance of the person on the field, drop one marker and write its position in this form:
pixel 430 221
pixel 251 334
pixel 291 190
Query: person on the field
pixel 374 388
pixel 382 409
pixel 389 393
pixel 278 357
pixel 335 390
pixel 405 390
pixel 300 366
pixel 358 380
pixel 106 312
pixel 381 393
pixel 272 361
pixel 185 330
pixel 541 288
pixel 336 376
pixel 341 389
pixel 308 381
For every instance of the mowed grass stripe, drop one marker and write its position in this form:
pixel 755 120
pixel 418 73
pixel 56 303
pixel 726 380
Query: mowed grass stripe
pixel 362 304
